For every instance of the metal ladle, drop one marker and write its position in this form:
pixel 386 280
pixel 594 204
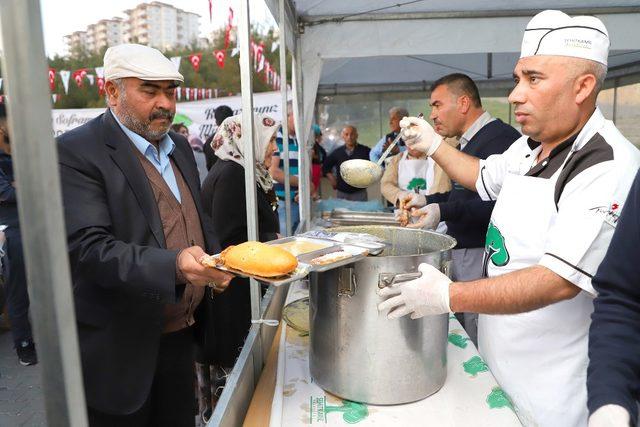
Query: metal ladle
pixel 362 173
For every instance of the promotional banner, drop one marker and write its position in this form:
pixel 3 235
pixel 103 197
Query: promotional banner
pixel 198 116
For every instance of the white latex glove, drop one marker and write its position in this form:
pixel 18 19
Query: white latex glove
pixel 402 195
pixel 413 200
pixel 610 416
pixel 427 295
pixel 429 217
pixel 419 135
pixel 398 213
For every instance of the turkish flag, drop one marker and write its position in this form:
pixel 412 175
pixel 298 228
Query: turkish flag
pixel 227 35
pixel 195 61
pixel 259 58
pixel 52 78
pixel 220 56
pixel 79 75
pixel 227 38
pixel 100 84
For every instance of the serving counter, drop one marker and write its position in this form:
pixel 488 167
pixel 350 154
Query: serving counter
pixel 287 396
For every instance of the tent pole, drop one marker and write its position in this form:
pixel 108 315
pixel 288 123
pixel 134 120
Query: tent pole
pixel 616 83
pixel 303 137
pixel 40 207
pixel 244 35
pixel 285 121
pixel 462 14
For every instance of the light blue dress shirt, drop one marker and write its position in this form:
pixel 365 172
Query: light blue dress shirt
pixel 159 159
pixel 377 151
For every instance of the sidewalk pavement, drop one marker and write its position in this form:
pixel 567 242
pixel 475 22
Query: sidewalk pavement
pixel 21 398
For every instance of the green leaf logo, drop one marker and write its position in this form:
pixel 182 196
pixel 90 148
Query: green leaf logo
pixel 499 399
pixel 495 247
pixel 352 412
pixel 458 340
pixel 474 366
pixel 417 184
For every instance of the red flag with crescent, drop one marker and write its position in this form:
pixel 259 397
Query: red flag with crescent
pixel 52 78
pixel 79 76
pixel 195 61
pixel 220 56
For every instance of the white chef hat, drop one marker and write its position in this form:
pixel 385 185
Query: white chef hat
pixel 553 32
pixel 135 60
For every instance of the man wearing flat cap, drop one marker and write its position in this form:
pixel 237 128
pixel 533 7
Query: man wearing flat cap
pixel 559 190
pixel 136 232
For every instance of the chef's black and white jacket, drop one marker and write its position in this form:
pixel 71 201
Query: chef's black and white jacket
pixel 560 213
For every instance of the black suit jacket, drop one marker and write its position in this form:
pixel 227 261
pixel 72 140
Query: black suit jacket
pixel 122 272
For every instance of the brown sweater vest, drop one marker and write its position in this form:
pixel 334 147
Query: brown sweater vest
pixel 182 228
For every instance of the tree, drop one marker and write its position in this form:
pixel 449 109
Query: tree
pixel 209 76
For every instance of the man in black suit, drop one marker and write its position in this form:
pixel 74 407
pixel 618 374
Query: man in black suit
pixel 136 232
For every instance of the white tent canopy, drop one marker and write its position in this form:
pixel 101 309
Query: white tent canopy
pixel 364 46
pixel 359 46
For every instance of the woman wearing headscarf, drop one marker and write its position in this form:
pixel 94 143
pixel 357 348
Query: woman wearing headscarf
pixel 224 200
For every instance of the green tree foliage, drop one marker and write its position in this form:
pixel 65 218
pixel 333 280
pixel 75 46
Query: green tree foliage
pixel 226 80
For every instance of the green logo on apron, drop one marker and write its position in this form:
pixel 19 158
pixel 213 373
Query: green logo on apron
pixel 417 184
pixel 495 248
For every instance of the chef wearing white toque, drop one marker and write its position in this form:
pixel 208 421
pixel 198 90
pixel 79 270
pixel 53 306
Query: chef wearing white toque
pixel 559 190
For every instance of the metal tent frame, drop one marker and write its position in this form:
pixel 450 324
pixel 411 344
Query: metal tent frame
pixel 327 39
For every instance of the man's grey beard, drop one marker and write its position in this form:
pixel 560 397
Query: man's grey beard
pixel 142 127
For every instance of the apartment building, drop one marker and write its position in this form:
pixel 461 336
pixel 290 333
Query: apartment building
pixel 106 33
pixel 162 25
pixel 76 41
pixel 155 24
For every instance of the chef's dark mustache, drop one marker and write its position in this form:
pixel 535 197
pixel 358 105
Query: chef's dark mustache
pixel 161 114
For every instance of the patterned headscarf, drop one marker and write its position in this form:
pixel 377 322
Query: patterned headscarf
pixel 227 144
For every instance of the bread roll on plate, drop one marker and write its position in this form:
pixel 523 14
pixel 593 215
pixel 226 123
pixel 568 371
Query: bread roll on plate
pixel 259 259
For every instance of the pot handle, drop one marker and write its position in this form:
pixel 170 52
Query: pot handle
pixel 446 268
pixel 388 279
pixel 347 284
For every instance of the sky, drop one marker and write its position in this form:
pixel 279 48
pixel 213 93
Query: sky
pixel 62 17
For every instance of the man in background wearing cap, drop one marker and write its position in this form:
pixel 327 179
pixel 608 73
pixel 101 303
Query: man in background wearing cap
pixel 136 232
pixel 559 191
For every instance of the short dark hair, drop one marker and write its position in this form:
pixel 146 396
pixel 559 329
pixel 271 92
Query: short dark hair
pixel 460 84
pixel 221 113
pixel 177 126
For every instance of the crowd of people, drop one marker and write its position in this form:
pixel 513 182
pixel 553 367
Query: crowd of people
pixel 536 217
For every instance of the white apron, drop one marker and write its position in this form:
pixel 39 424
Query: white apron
pixel 411 170
pixel 539 358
